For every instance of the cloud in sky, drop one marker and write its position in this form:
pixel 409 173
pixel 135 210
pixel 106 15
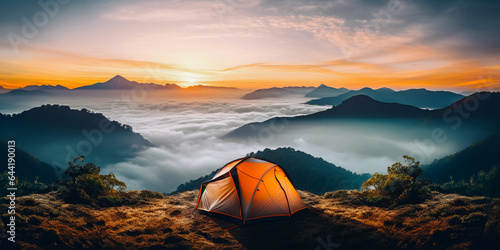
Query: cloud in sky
pixel 208 36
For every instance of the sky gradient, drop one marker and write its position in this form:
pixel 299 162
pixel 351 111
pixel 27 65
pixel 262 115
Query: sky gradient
pixel 445 44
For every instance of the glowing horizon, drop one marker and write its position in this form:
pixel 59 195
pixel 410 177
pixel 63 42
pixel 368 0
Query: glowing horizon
pixel 251 44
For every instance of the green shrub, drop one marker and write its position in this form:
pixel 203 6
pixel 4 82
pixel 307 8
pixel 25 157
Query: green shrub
pixel 399 186
pixel 74 170
pixel 24 186
pixel 88 186
pixel 479 184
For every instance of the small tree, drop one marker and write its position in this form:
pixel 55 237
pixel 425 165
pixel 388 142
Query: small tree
pixel 113 183
pixel 410 168
pixel 87 185
pixel 376 182
pixel 74 170
pixel 399 185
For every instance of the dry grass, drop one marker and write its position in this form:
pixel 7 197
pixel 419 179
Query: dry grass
pixel 446 221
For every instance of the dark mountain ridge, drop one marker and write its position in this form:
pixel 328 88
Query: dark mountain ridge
pixel 59 133
pixel 307 172
pixel 357 107
pixel 479 156
pixel 483 115
pixel 362 106
pixel 29 167
pixel 480 106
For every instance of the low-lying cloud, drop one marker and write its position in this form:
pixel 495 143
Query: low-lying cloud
pixel 188 131
pixel 187 135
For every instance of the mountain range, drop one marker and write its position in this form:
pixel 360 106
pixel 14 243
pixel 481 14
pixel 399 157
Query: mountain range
pixel 43 87
pixel 33 87
pixel 117 88
pixel 117 82
pixel 307 172
pixel 330 96
pixel 415 97
pixel 59 133
pixel 483 114
pixel 321 91
pixel 120 83
pixel 277 92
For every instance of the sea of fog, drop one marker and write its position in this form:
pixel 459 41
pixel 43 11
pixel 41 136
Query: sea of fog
pixel 188 131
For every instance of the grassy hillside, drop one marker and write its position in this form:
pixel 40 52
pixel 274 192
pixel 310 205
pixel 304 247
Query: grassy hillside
pixel 445 221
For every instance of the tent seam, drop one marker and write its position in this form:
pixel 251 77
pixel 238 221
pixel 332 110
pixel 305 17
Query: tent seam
pixel 286 196
pixel 256 187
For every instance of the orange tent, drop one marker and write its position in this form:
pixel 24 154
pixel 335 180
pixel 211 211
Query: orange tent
pixel 250 188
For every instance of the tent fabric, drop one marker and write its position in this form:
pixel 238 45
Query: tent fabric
pixel 250 188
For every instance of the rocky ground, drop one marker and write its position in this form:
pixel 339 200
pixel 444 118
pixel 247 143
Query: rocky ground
pixel 446 221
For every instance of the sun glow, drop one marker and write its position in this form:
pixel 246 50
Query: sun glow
pixel 188 83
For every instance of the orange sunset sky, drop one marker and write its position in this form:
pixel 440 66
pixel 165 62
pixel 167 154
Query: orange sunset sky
pixel 450 45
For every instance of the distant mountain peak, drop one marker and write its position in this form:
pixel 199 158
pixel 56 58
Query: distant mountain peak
pixel 365 106
pixel 366 88
pixel 326 91
pixel 117 78
pixel 117 82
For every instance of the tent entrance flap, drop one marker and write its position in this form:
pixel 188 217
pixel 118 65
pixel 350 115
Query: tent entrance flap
pixel 220 196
